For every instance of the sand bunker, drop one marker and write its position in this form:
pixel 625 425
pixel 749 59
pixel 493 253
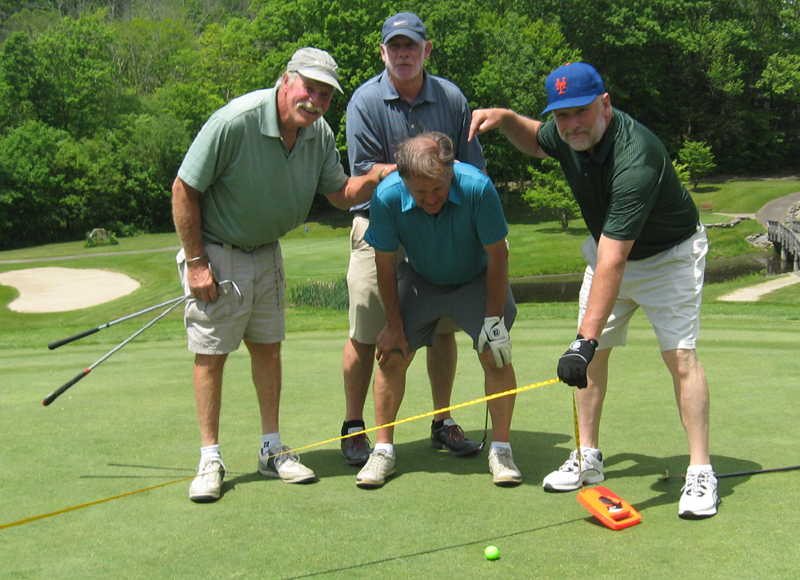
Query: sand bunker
pixel 62 289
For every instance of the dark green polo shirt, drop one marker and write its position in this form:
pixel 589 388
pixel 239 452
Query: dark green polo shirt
pixel 627 189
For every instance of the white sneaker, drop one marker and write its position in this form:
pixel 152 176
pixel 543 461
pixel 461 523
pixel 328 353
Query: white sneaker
pixel 504 471
pixel 568 476
pixel 283 463
pixel 207 486
pixel 379 468
pixel 699 497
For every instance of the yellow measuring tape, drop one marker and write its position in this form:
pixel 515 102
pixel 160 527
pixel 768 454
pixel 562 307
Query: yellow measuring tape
pixel 400 422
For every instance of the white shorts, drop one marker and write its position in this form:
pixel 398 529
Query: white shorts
pixel 367 317
pixel 219 327
pixel 668 287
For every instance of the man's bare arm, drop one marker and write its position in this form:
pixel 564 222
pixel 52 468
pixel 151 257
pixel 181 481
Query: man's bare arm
pixel 521 131
pixel 186 215
pixel 359 189
pixel 612 256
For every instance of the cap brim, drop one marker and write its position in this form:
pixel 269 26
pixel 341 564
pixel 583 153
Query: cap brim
pixel 403 32
pixel 568 103
pixel 322 77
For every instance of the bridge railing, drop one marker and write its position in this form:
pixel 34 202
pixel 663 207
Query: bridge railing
pixel 786 242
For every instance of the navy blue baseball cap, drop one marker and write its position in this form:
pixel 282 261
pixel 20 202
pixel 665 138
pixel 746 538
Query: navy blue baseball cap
pixel 572 85
pixel 404 23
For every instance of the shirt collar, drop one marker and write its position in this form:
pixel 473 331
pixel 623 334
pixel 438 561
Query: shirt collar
pixel 389 93
pixel 269 118
pixel 455 195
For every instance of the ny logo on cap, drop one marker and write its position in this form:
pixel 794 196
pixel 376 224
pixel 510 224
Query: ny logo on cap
pixel 561 85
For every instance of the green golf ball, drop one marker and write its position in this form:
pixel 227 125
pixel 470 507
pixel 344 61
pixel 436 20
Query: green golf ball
pixel 491 553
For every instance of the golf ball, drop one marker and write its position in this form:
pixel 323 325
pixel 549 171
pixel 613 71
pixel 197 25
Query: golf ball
pixel 491 553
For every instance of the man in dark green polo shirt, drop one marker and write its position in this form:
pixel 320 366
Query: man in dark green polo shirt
pixel 647 249
pixel 249 178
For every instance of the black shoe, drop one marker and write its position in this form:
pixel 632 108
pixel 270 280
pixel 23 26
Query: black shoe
pixel 451 438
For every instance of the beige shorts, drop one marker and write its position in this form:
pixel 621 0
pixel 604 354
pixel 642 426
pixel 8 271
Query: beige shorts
pixel 367 317
pixel 667 286
pixel 219 327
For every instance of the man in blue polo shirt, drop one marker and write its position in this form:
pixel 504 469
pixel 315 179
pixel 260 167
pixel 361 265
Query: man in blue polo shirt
pixel 647 249
pixel 449 219
pixel 401 102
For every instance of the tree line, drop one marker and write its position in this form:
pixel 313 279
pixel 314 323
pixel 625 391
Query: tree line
pixel 99 99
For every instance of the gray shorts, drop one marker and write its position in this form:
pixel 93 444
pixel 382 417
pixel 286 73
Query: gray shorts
pixel 367 317
pixel 668 287
pixel 423 304
pixel 219 327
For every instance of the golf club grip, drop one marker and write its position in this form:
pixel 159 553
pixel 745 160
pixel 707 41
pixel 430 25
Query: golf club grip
pixel 55 394
pixel 63 341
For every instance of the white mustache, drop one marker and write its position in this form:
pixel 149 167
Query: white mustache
pixel 311 108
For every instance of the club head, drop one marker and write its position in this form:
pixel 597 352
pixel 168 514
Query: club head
pixel 226 286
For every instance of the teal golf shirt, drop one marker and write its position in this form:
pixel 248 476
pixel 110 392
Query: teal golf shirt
pixel 446 249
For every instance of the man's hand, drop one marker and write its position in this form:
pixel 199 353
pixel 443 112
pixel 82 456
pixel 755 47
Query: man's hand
pixel 484 120
pixel 495 334
pixel 391 340
pixel 201 281
pixel 572 364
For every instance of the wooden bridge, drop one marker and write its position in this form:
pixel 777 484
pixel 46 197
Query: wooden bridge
pixel 786 242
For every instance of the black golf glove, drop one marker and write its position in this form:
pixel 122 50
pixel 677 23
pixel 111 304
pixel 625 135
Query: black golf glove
pixel 572 364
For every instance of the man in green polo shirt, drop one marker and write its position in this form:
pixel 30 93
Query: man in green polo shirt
pixel 647 249
pixel 249 178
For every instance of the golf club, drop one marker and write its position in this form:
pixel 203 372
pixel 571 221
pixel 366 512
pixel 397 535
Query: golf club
pixel 222 286
pixel 54 345
pixel 736 474
pixel 55 394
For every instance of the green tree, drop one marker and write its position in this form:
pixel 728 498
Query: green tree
pixel 698 159
pixel 550 194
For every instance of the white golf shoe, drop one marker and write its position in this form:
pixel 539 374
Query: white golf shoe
pixel 284 464
pixel 568 476
pixel 699 497
pixel 504 470
pixel 207 485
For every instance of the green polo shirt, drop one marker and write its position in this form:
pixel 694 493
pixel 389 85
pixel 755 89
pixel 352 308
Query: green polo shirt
pixel 627 189
pixel 253 189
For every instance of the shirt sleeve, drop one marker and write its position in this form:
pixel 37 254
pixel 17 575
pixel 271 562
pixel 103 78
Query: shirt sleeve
pixel 382 233
pixel 332 176
pixel 489 218
pixel 217 143
pixel 468 151
pixel 363 143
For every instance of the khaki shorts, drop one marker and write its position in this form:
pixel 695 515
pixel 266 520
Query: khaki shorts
pixel 367 317
pixel 668 287
pixel 219 327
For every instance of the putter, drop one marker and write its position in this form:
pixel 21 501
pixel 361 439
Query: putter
pixel 610 510
pixel 223 285
pixel 736 474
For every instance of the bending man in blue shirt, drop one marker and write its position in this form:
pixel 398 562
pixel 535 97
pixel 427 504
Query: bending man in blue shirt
pixel 449 220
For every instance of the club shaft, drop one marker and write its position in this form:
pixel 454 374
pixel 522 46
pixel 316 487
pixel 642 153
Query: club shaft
pixel 55 394
pixel 54 345
pixel 754 472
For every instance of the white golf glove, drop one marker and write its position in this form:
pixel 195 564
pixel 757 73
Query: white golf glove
pixel 494 333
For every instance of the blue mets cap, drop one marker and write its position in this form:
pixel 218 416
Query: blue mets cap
pixel 572 85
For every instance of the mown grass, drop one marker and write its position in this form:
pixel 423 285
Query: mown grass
pixel 131 424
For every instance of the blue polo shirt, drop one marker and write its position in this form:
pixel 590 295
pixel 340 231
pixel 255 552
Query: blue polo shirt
pixel 378 118
pixel 446 249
